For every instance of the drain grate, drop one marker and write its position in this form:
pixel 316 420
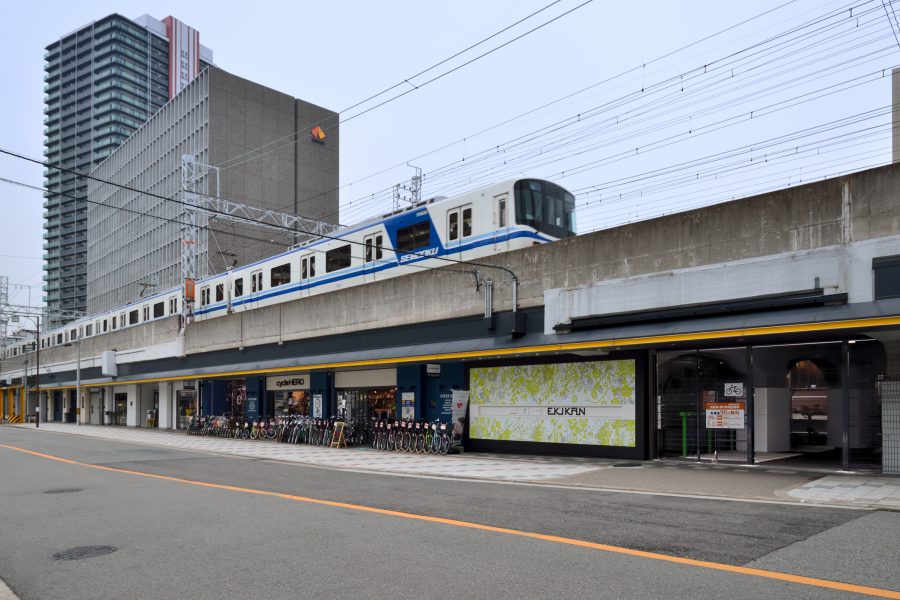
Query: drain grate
pixel 63 491
pixel 81 552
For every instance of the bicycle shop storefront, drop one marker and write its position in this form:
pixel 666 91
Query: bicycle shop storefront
pixel 288 394
pixel 821 404
pixel 363 394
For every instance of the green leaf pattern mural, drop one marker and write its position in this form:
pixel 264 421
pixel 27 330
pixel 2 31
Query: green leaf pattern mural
pixel 608 383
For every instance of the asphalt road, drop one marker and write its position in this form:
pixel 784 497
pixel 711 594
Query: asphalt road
pixel 179 540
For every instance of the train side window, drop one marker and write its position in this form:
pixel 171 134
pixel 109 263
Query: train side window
pixel 105 324
pixel 173 305
pixel 59 338
pixel 88 330
pixel 115 322
pixel 259 281
pixel 159 310
pixel 146 314
pixel 304 267
pixel 453 225
pixel 280 275
pixel 378 247
pixel 133 317
pixel 369 257
pixel 501 212
pixel 220 292
pixel 255 281
pixel 467 221
pixel 337 258
pixel 239 287
pixel 312 266
pixel 414 237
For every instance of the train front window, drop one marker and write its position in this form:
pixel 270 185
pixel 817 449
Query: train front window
pixel 545 206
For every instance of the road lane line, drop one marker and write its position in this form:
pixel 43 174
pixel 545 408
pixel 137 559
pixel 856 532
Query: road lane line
pixel 761 573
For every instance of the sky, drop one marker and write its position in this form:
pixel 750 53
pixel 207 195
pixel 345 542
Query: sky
pixel 640 109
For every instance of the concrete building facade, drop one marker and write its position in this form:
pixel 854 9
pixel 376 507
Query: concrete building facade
pixel 134 239
pixel 102 82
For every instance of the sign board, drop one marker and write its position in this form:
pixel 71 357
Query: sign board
pixel 458 414
pixel 724 415
pixel 433 370
pixel 317 406
pixel 734 390
pixel 408 405
pixel 251 408
pixel 288 382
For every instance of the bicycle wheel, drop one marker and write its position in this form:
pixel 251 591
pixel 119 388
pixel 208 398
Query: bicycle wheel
pixel 420 443
pixel 435 444
pixel 253 434
pixel 445 444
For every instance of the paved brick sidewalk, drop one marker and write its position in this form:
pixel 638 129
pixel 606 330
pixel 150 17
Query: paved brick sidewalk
pixel 690 479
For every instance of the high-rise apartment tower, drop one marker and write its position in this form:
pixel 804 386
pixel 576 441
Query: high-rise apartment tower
pixel 103 81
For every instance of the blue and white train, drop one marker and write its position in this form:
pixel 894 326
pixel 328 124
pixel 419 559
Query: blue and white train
pixel 506 216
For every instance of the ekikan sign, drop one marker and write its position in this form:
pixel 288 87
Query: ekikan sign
pixel 589 403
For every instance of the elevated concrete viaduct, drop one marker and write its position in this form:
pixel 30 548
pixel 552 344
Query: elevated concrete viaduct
pixel 694 297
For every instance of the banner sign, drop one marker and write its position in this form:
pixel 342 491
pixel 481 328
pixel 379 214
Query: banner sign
pixel 317 406
pixel 460 402
pixel 591 402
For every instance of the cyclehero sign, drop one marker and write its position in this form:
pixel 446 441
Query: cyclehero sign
pixel 288 382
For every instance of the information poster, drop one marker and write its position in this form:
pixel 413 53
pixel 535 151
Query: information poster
pixel 724 415
pixel 317 406
pixel 460 402
pixel 589 403
pixel 408 405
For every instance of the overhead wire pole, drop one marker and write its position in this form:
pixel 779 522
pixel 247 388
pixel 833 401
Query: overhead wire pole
pixel 188 239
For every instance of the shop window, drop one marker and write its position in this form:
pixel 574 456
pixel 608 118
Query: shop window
pixel 159 310
pixel 133 317
pixel 280 275
pixel 886 275
pixel 337 258
pixel 414 237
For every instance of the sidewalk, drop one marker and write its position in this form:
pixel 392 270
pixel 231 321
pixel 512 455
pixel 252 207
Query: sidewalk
pixel 654 477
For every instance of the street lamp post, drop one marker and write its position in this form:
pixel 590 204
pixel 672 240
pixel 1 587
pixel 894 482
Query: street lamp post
pixel 78 406
pixel 36 319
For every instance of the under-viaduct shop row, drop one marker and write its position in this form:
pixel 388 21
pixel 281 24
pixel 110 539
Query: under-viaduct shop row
pixel 765 329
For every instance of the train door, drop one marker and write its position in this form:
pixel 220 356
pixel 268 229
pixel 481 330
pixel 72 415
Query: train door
pixel 373 252
pixel 453 231
pixel 501 223
pixel 256 284
pixel 307 273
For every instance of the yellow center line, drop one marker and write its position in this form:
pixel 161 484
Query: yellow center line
pixel 798 579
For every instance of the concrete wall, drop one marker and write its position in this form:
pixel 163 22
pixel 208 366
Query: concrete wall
pixel 836 225
pixel 290 174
